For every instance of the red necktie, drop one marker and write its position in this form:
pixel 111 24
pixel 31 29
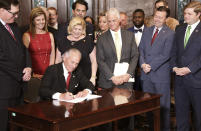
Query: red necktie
pixel 10 31
pixel 155 35
pixel 68 80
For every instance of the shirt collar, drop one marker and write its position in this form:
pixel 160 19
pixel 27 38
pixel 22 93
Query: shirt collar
pixel 2 22
pixel 64 68
pixel 114 31
pixel 142 27
pixel 159 29
pixel 193 26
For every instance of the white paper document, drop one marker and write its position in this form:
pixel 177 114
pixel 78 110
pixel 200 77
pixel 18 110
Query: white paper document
pixel 121 69
pixel 88 97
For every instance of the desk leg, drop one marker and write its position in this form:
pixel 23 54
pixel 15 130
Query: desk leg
pixel 115 126
pixel 156 120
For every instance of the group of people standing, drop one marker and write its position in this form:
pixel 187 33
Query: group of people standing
pixel 70 54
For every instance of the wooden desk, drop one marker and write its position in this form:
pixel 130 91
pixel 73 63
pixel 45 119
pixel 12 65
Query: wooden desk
pixel 61 116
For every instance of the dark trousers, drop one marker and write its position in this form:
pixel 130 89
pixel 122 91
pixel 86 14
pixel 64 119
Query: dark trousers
pixel 164 90
pixel 4 117
pixel 187 96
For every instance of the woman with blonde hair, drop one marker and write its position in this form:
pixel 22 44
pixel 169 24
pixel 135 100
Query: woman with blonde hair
pixel 77 38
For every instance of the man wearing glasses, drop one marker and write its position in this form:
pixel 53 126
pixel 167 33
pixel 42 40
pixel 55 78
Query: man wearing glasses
pixel 14 61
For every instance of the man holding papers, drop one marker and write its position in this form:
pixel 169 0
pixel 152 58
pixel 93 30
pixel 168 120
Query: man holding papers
pixel 117 54
pixel 61 81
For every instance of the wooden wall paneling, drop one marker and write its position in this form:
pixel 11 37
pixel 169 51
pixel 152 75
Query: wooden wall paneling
pixel 95 10
pixel 90 6
pixel 172 6
pixel 63 11
pixel 25 9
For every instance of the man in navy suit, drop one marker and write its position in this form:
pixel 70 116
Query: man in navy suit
pixel 186 63
pixel 155 48
pixel 14 60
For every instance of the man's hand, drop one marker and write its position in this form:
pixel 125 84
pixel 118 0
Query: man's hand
pixel 66 96
pixel 27 74
pixel 125 77
pixel 38 76
pixel 93 80
pixel 117 80
pixel 181 71
pixel 146 68
pixel 82 94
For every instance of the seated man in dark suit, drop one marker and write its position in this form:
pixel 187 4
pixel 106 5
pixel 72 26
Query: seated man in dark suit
pixel 61 81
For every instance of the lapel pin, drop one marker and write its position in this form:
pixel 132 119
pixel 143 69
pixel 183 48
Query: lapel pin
pixel 76 85
pixel 196 30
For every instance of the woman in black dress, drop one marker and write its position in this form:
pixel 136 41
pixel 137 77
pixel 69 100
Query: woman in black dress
pixel 77 39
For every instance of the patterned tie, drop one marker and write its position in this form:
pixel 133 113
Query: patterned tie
pixel 68 80
pixel 154 36
pixel 117 45
pixel 10 31
pixel 187 36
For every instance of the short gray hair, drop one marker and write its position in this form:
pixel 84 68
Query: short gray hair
pixel 70 52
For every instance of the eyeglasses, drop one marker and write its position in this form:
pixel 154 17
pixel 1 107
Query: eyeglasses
pixel 14 14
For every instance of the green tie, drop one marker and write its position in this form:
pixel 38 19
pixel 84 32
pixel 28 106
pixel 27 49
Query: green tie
pixel 187 36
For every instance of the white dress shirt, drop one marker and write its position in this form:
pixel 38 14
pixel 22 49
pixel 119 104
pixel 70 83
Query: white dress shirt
pixel 119 33
pixel 193 26
pixel 138 35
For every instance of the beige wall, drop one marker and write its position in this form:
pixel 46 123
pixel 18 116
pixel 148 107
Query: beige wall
pixel 128 6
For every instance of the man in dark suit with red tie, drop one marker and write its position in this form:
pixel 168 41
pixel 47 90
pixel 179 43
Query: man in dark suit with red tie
pixel 14 60
pixel 186 63
pixel 63 81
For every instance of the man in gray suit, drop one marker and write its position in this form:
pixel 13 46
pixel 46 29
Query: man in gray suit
pixel 155 48
pixel 115 47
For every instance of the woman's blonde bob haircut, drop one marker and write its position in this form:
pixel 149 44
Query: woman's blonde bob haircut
pixel 77 21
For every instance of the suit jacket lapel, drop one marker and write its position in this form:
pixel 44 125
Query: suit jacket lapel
pixel 182 38
pixel 193 36
pixel 5 30
pixel 71 83
pixel 111 42
pixel 61 76
pixel 15 34
pixel 161 33
pixel 123 48
pixel 149 38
